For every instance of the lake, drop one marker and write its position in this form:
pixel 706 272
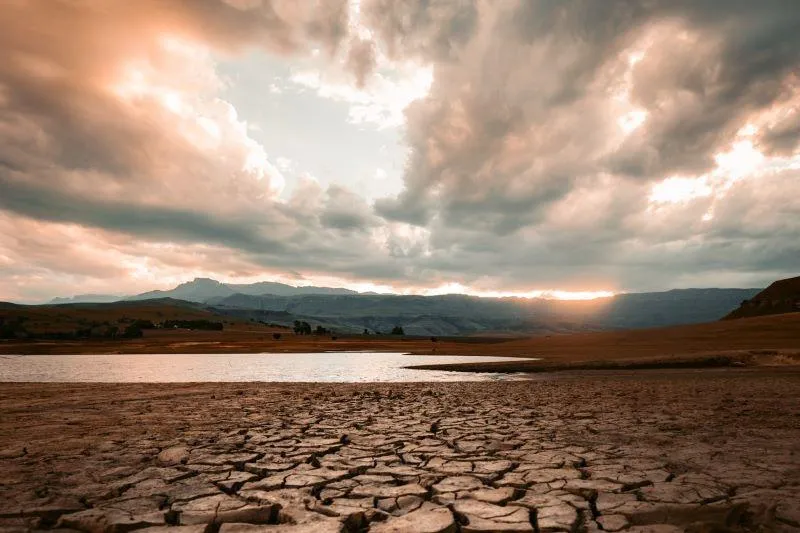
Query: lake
pixel 346 367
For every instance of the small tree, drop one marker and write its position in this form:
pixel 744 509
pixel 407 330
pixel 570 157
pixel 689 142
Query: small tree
pixel 320 331
pixel 276 336
pixel 397 330
pixel 133 332
pixel 366 331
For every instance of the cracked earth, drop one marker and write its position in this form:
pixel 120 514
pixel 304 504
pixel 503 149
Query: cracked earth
pixel 638 452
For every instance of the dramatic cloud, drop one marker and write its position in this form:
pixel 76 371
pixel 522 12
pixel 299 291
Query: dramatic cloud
pixel 570 144
pixel 545 113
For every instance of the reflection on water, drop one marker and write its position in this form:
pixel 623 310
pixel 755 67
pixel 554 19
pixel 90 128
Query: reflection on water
pixel 330 366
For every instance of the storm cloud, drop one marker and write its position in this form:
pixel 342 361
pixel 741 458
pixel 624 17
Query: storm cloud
pixel 573 145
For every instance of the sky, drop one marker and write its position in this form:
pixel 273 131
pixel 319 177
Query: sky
pixel 558 147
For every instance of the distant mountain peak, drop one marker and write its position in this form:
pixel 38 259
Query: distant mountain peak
pixel 86 298
pixel 202 281
pixel 203 290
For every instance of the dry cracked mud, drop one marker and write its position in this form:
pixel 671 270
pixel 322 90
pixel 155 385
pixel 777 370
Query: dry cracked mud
pixel 656 452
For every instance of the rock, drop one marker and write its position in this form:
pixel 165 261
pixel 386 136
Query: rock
pixel 109 521
pixel 480 516
pixel 266 468
pixel 173 456
pixel 612 522
pixel 655 528
pixel 683 493
pixel 645 513
pixel 231 481
pixel 322 526
pixel 388 491
pixel 49 511
pixel 238 460
pixel 788 512
pixel 562 517
pixel 549 475
pixel 457 483
pixel 606 502
pixel 221 509
pixel 438 520
pixel 190 489
pixel 314 478
pixel 400 506
pixel 13 452
pixel 499 496
pixel 589 488
pixel 198 528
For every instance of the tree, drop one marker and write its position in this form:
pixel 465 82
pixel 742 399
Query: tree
pixel 302 328
pixel 434 339
pixel 320 331
pixel 133 332
pixel 397 330
pixel 366 331
pixel 276 336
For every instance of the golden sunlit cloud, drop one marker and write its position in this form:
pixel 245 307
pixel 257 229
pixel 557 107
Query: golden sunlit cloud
pixel 549 294
pixel 678 189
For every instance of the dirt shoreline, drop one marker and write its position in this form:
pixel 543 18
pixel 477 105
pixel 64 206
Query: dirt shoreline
pixel 693 450
pixel 750 359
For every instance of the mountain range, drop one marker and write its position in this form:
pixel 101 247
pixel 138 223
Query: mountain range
pixel 348 311
pixel 201 290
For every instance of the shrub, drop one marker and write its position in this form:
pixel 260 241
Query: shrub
pixel 132 332
pixel 194 324
pixel 302 328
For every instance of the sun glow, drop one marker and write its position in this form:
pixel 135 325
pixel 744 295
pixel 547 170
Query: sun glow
pixel 548 294
pixel 741 160
pixel 678 189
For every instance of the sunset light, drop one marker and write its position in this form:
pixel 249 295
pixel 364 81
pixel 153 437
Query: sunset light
pixel 399 266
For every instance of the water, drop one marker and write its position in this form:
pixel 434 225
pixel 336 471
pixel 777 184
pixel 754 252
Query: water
pixel 286 367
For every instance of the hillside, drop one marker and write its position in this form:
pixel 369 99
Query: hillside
pixel 93 319
pixel 466 315
pixel 767 340
pixel 783 296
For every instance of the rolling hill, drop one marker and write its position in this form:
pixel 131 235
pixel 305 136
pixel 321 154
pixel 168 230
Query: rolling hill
pixel 783 296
